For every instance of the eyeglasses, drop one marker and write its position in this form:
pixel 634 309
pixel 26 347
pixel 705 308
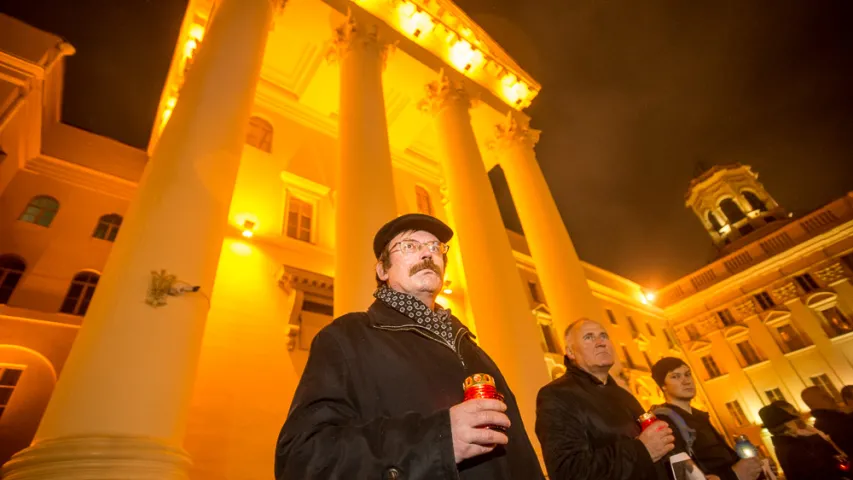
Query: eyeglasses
pixel 408 247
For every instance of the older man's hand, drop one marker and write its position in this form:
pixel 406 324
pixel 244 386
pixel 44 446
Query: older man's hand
pixel 467 422
pixel 658 439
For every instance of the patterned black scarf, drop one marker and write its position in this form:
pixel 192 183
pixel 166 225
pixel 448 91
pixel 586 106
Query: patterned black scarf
pixel 436 322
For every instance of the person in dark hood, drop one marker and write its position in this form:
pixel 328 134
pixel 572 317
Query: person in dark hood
pixel 804 452
pixel 829 419
pixel 588 425
pixel 697 437
pixel 382 393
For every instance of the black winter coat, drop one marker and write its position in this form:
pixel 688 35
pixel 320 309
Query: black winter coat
pixel 373 403
pixel 807 458
pixel 588 430
pixel 838 425
pixel 710 450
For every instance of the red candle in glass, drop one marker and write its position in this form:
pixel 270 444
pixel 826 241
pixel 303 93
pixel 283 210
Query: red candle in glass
pixel 647 419
pixel 482 385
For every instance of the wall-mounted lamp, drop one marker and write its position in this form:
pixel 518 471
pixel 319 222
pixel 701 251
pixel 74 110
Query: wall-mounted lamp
pixel 248 228
pixel 447 289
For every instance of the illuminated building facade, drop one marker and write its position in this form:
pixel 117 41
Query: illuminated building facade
pixel 286 134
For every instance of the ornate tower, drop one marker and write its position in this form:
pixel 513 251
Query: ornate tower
pixel 731 203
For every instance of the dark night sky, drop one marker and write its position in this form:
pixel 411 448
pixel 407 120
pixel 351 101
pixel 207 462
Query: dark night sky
pixel 635 94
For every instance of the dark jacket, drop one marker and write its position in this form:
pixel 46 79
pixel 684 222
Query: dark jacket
pixel 710 451
pixel 373 403
pixel 807 458
pixel 588 430
pixel 838 425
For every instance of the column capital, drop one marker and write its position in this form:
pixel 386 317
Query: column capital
pixel 352 34
pixel 444 92
pixel 514 131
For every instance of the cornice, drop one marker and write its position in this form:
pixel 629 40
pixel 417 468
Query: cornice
pixel 82 177
pixel 807 247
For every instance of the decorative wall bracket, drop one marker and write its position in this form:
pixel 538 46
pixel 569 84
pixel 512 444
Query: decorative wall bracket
pixel 159 287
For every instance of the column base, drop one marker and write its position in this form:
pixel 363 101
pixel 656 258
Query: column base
pixel 99 458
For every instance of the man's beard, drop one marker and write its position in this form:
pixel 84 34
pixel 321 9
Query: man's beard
pixel 426 264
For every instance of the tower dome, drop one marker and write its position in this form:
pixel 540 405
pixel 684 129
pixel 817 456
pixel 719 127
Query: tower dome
pixel 731 203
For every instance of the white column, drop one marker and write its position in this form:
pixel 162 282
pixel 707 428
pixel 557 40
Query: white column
pixel 557 264
pixel 365 198
pixel 505 325
pixel 120 407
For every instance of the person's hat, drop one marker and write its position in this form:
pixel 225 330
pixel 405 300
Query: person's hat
pixel 410 222
pixel 773 415
pixel 662 368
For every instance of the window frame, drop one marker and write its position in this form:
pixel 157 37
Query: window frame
pixel 313 219
pixel 4 403
pixel 52 210
pixel 422 195
pixel 265 141
pixel 6 271
pixel 110 228
pixel 84 298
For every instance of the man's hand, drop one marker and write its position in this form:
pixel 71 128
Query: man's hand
pixel 712 477
pixel 658 439
pixel 467 420
pixel 747 468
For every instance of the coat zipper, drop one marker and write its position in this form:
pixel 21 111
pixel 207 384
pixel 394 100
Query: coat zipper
pixel 454 347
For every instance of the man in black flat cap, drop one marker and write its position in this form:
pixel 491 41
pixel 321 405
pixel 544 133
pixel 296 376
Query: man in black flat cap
pixel 692 428
pixel 382 393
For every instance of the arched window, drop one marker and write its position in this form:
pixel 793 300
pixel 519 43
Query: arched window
pixel 107 227
pixel 40 210
pixel 80 293
pixel 731 210
pixel 715 223
pixel 754 202
pixel 423 201
pixel 259 134
pixel 11 269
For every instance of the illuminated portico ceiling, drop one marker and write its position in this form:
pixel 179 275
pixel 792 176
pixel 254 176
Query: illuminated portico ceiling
pixel 299 82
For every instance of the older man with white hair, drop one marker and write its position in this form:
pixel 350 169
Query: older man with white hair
pixel 587 424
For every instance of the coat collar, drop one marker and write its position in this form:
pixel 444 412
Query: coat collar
pixel 582 375
pixel 684 413
pixel 383 316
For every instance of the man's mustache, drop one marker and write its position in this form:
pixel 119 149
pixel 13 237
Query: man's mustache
pixel 426 264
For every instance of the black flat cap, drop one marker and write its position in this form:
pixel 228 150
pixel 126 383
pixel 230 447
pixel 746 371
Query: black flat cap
pixel 774 415
pixel 410 221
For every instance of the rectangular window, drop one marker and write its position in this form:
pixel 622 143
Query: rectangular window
pixel 634 332
pixel 669 342
pixel 726 317
pixel 650 329
pixel 534 291
pixel 711 367
pixel 9 377
pixel 648 359
pixel 774 395
pixel 299 219
pixel 549 340
pixel 750 357
pixel 736 411
pixel 834 322
pixel 611 316
pixel 826 385
pixel 791 339
pixel 629 362
pixel 424 203
pixel 764 300
pixel 806 282
pixel 692 332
